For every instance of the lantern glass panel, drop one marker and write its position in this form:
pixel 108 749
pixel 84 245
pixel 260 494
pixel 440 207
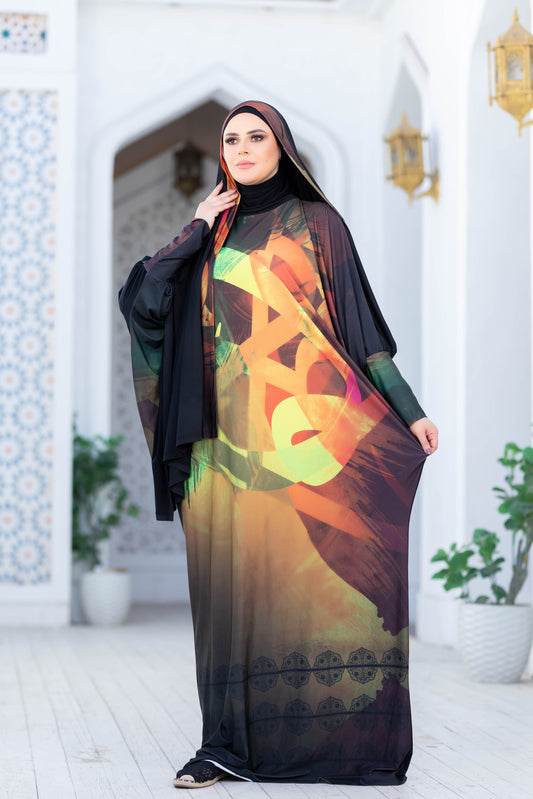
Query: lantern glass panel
pixel 394 156
pixel 515 71
pixel 188 170
pixel 411 152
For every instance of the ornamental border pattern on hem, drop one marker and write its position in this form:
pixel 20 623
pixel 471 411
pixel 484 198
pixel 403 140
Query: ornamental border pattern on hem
pixel 361 666
pixel 23 33
pixel 28 162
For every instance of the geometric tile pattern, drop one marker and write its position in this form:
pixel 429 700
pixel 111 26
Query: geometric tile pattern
pixel 23 33
pixel 28 158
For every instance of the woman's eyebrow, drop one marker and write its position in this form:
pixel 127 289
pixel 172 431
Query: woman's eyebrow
pixel 249 133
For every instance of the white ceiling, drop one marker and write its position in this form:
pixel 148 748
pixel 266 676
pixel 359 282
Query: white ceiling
pixel 373 9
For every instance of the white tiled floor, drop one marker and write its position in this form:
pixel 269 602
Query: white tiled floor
pixel 95 713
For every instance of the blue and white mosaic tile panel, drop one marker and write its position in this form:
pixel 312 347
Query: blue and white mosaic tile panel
pixel 28 128
pixel 23 33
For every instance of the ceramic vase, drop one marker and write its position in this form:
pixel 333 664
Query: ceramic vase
pixel 105 596
pixel 495 640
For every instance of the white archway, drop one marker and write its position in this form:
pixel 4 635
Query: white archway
pixel 406 58
pixel 217 84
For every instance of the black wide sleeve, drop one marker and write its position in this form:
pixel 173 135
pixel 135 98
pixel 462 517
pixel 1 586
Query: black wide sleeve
pixel 355 313
pixel 148 293
pixel 159 309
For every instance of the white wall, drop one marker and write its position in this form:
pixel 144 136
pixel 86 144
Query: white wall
pixel 476 360
pixel 37 120
pixel 340 98
pixel 434 42
pixel 498 317
pixel 173 57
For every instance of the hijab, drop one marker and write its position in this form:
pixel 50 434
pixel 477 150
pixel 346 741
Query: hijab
pixel 183 409
pixel 288 181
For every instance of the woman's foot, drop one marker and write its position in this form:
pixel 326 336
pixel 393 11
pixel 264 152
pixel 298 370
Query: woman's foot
pixel 198 775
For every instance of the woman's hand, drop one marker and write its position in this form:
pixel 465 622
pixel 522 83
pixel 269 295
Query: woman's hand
pixel 427 433
pixel 215 203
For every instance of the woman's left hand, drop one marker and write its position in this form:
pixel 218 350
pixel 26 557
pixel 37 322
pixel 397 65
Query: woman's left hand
pixel 427 433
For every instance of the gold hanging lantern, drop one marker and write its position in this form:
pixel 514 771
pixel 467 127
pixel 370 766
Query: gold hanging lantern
pixel 513 67
pixel 407 161
pixel 188 164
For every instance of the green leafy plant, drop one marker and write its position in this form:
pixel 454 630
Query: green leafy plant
pixel 516 503
pixel 458 571
pixel 99 497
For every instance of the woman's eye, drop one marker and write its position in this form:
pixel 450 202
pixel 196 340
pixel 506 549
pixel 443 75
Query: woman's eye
pixel 255 138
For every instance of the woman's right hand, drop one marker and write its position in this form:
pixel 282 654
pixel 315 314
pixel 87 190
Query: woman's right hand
pixel 215 203
pixel 427 433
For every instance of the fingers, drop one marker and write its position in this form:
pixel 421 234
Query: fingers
pixel 432 441
pixel 424 443
pixel 215 198
pixel 216 190
pixel 215 203
pixel 427 434
pixel 218 201
pixel 223 201
pixel 227 196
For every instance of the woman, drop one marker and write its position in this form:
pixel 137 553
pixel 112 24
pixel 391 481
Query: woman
pixel 281 429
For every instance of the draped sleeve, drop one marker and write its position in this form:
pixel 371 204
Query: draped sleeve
pixel 160 301
pixel 147 295
pixel 357 319
pixel 145 301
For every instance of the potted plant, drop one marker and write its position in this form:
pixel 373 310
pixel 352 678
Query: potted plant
pixel 99 501
pixel 495 633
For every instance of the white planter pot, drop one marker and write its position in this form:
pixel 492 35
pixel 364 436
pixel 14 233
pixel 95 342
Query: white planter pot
pixel 495 640
pixel 105 596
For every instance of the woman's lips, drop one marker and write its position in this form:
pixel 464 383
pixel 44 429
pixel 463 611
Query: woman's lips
pixel 245 164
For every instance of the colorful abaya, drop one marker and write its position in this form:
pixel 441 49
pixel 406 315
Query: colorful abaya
pixel 296 515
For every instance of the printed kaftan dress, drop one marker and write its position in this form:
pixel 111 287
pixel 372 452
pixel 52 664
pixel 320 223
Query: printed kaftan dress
pixel 296 523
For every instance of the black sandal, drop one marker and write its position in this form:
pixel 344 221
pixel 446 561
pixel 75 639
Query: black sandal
pixel 198 775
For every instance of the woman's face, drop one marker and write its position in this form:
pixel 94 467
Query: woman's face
pixel 250 149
